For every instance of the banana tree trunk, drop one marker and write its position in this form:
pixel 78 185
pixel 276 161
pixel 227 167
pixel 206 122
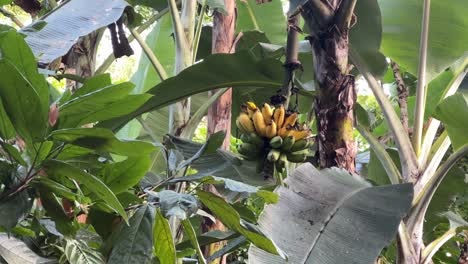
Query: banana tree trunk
pixel 329 23
pixel 219 114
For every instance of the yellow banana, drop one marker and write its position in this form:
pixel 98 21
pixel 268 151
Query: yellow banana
pixel 259 123
pixel 283 132
pixel 267 112
pixel 290 120
pixel 299 134
pixel 252 106
pixel 271 129
pixel 278 116
pixel 244 123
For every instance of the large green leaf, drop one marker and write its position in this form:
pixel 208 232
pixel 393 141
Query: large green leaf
pixel 102 139
pixel 231 218
pixel 377 172
pixel 15 251
pixel 14 209
pixel 107 102
pixel 61 169
pixel 216 71
pixel 331 216
pixel 267 17
pixel 366 35
pixel 134 243
pixel 192 236
pixel 221 164
pixel 78 252
pixel 164 247
pixel 22 102
pixel 453 112
pixel 121 176
pixel 448 33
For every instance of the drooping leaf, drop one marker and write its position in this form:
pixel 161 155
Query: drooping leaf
pixel 267 17
pixel 61 169
pixel 14 209
pixel 230 218
pixel 7 130
pixel 105 103
pixel 453 111
pixel 102 139
pixel 55 187
pixel 209 238
pixel 134 243
pixel 190 232
pixel 121 176
pixel 173 204
pixel 448 33
pixel 22 103
pixel 14 153
pixel 221 164
pixel 80 253
pixel 211 145
pixel 15 251
pixel 216 71
pixel 164 247
pixel 332 211
pixel 63 223
pixel 67 23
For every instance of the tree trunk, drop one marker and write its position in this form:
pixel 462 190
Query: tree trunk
pixel 336 96
pixel 219 114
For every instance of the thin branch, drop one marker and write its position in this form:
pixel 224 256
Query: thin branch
pixel 110 59
pixel 12 17
pixel 151 56
pixel 407 156
pixel 402 94
pixel 345 14
pixel 421 89
pixel 196 41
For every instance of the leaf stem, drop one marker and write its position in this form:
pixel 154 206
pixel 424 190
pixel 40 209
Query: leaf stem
pixel 11 16
pixel 196 41
pixel 151 56
pixel 421 88
pixel 435 245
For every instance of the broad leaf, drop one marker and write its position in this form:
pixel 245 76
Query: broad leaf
pixel 134 243
pixel 63 223
pixel 267 17
pixel 121 176
pixel 164 247
pixel 221 164
pixel 78 252
pixel 67 23
pixel 377 172
pixel 61 169
pixel 453 111
pixel 22 102
pixel 216 71
pixel 173 204
pixel 330 216
pixel 14 209
pixel 103 140
pixel 15 251
pixel 105 103
pixel 401 21
pixel 229 216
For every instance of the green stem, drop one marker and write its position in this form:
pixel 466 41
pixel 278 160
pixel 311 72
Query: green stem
pixel 110 59
pixel 196 41
pixel 435 245
pixel 151 56
pixel 251 14
pixel 426 194
pixel 421 89
pixel 12 17
pixel 407 156
pixel 181 41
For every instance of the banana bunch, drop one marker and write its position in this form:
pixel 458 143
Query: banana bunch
pixel 272 135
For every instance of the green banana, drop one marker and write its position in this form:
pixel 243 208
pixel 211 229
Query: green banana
pixel 273 155
pixel 288 142
pixel 248 150
pixel 296 157
pixel 281 162
pixel 300 145
pixel 256 139
pixel 276 142
pixel 245 138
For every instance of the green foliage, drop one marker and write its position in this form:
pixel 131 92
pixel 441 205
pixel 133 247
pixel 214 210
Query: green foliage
pixel 164 247
pixel 453 112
